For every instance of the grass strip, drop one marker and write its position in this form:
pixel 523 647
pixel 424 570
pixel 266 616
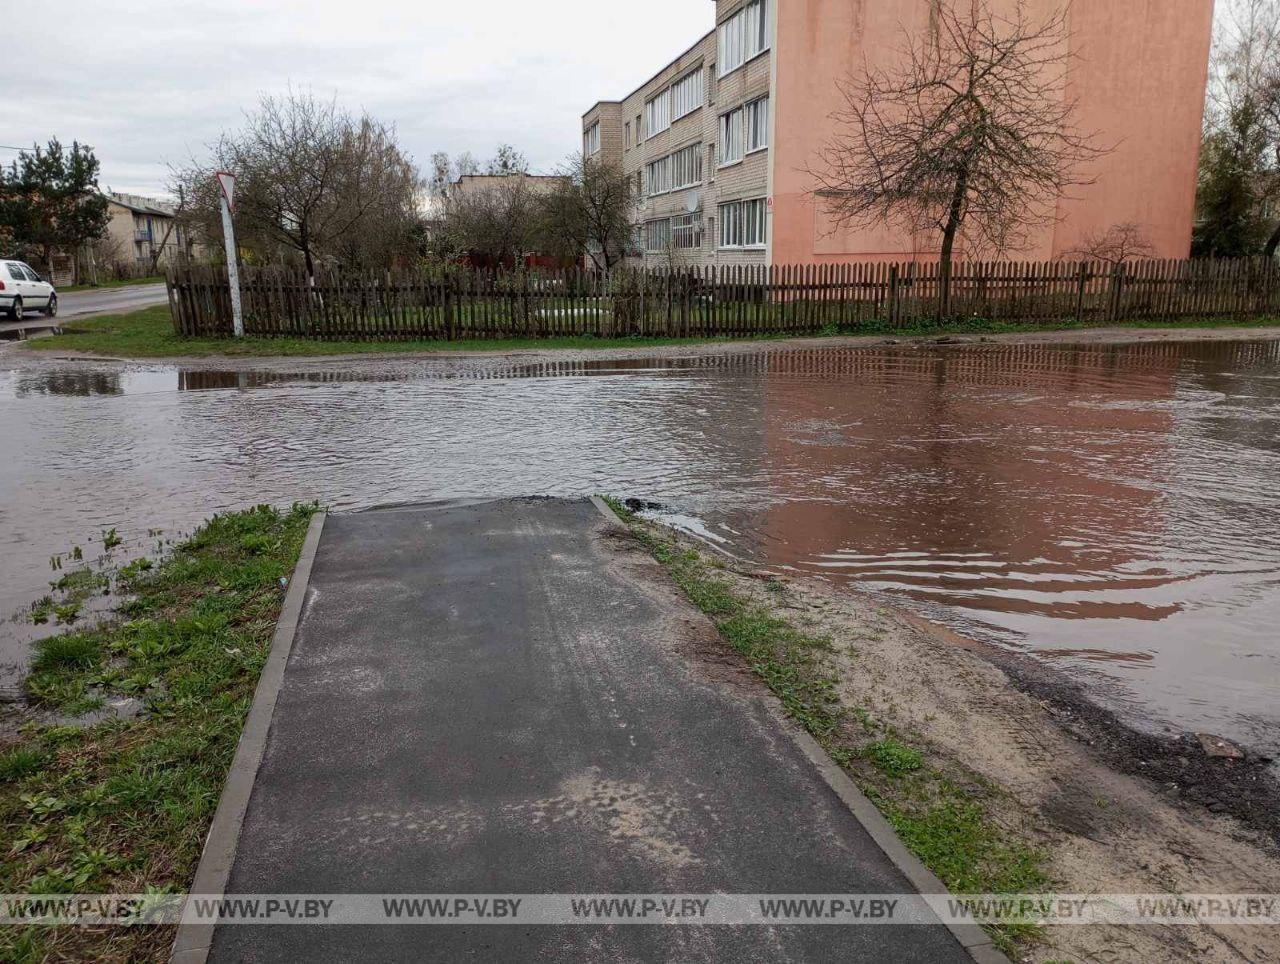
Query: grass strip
pixel 944 815
pixel 123 806
pixel 148 333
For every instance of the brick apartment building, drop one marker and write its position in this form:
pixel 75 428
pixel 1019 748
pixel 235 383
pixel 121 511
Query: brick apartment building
pixel 719 140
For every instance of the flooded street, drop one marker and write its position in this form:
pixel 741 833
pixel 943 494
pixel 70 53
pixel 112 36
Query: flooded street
pixel 1114 510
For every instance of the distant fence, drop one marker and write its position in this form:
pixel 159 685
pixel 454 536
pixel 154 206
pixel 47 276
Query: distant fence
pixel 702 302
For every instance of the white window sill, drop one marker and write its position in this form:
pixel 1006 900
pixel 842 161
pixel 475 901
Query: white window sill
pixel 721 167
pixel 758 150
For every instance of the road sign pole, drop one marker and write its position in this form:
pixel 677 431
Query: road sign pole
pixel 226 192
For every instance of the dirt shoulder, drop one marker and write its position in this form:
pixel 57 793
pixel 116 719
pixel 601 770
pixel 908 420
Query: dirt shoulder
pixel 1105 813
pixel 1076 336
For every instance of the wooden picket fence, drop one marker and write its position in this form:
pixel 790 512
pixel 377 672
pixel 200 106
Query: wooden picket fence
pixel 455 303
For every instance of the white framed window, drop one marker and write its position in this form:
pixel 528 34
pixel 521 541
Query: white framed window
pixel 686 231
pixel 657 235
pixel 686 167
pixel 687 94
pixel 657 175
pixel 626 134
pixel 675 171
pixel 591 140
pixel 743 36
pixel 731 140
pixel 756 124
pixel 657 113
pixel 742 223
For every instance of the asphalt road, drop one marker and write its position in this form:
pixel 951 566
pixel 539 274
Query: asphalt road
pixel 103 301
pixel 510 698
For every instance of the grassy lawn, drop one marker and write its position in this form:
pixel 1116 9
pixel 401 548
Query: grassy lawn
pixel 150 280
pixel 149 334
pixel 942 815
pixel 123 806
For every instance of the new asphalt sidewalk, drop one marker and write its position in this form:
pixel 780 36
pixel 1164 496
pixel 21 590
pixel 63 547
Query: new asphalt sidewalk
pixel 508 698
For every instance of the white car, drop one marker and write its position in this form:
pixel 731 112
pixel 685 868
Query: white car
pixel 22 290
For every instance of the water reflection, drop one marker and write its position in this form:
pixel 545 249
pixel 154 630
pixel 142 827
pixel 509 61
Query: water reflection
pixel 1112 507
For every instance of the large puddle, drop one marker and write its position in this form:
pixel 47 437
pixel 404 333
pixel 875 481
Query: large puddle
pixel 1113 509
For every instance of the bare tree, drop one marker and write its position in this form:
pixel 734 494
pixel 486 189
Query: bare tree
pixel 973 132
pixel 493 222
pixel 1116 245
pixel 310 179
pixel 589 213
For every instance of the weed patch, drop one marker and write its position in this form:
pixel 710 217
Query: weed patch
pixel 123 806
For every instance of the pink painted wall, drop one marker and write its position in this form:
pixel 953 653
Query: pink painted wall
pixel 1139 78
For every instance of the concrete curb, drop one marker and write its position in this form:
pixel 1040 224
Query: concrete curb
pixel 975 941
pixel 193 941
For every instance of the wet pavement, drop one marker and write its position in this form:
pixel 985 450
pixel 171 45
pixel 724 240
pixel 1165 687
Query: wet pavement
pixel 503 699
pixel 1114 510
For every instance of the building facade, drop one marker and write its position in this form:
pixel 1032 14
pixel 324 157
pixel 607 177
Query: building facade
pixel 720 140
pixel 143 232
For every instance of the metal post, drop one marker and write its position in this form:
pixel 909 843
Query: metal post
pixel 227 184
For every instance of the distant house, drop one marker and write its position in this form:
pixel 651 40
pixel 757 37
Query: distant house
pixel 143 232
pixel 491 197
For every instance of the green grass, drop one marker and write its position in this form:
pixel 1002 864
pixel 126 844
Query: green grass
pixel 149 334
pixel 943 815
pixel 123 806
pixel 125 283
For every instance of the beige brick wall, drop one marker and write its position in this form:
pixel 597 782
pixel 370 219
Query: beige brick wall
pixel 750 178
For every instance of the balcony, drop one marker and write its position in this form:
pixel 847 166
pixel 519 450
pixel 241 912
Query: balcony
pixel 142 234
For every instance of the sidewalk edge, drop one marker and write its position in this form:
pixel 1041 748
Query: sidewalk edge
pixel 193 941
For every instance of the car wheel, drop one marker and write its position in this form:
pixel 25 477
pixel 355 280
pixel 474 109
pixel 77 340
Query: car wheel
pixel 16 311
pixel 52 308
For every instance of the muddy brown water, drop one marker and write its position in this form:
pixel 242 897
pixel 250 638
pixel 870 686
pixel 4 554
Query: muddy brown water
pixel 1114 510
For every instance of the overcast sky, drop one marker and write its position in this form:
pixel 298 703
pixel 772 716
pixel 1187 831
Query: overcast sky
pixel 149 84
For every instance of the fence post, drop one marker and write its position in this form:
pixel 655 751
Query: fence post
pixel 447 291
pixel 1117 290
pixel 893 295
pixel 1080 290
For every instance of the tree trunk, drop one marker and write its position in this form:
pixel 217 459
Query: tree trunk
pixel 955 214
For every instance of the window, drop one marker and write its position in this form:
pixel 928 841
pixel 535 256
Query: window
pixel 686 231
pixel 16 273
pixel 731 143
pixel 591 140
pixel 639 130
pixel 658 175
pixel 742 224
pixel 626 134
pixel 742 36
pixel 686 167
pixel 686 94
pixel 657 113
pixel 31 275
pixel 757 124
pixel 670 173
pixel 657 235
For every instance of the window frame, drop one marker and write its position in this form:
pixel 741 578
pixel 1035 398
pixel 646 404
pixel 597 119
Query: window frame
pixel 732 43
pixel 649 227
pixel 591 140
pixel 731 224
pixel 693 229
pixel 756 105
pixel 725 136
